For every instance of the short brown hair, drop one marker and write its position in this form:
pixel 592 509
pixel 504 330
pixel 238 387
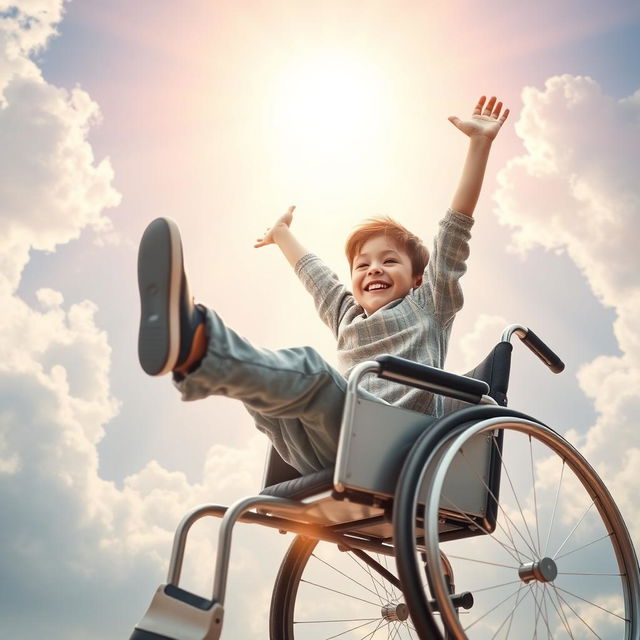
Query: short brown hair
pixel 386 226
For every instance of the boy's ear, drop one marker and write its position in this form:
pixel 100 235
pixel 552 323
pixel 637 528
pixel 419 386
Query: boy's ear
pixel 417 281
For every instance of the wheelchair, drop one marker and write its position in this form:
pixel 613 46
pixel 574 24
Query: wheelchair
pixel 485 523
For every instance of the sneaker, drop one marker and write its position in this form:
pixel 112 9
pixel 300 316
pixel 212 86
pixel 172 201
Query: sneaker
pixel 171 325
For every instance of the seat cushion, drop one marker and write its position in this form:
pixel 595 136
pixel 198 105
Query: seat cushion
pixel 303 487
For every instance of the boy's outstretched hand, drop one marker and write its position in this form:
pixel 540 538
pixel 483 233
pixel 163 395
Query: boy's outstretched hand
pixel 284 220
pixel 484 122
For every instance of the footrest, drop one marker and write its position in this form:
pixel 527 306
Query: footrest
pixel 176 614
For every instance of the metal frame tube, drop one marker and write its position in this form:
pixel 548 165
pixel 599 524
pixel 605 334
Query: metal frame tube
pixel 229 517
pixel 239 511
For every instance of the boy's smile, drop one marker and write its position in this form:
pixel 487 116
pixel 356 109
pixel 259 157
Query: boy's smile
pixel 381 272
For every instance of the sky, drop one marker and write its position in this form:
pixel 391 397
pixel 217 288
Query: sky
pixel 221 115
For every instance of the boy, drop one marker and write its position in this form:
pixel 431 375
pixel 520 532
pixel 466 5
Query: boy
pixel 403 301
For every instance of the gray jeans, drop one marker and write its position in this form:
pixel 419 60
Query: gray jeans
pixel 295 397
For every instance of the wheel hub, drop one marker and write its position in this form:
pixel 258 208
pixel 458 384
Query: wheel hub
pixel 393 612
pixel 543 570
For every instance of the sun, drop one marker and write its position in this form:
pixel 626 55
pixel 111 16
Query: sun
pixel 329 110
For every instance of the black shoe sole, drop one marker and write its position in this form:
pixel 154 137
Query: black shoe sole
pixel 160 269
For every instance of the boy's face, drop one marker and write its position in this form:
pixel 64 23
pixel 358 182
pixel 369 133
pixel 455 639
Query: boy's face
pixel 380 273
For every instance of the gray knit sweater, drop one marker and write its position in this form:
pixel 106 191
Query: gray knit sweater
pixel 416 327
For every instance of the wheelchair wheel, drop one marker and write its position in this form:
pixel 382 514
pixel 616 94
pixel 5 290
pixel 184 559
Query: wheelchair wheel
pixel 322 592
pixel 559 561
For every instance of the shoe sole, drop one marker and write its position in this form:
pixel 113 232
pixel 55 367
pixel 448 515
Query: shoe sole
pixel 160 268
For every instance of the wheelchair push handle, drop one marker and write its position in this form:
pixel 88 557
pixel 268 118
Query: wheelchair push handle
pixel 536 345
pixel 423 376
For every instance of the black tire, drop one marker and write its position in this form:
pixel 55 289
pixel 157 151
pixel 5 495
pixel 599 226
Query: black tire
pixel 417 592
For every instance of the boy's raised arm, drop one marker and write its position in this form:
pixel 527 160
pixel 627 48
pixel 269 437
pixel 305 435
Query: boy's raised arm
pixel 482 128
pixel 280 233
pixel 331 298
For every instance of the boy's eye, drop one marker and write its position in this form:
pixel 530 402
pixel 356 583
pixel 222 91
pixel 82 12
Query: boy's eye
pixel 361 265
pixel 390 260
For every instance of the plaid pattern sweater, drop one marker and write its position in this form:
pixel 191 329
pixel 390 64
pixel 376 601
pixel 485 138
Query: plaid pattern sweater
pixel 416 327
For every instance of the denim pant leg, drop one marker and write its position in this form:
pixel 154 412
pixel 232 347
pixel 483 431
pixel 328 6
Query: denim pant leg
pixel 294 395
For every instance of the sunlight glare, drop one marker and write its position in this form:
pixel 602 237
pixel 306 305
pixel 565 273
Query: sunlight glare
pixel 330 112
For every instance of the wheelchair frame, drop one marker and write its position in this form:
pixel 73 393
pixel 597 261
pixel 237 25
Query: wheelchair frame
pixel 409 501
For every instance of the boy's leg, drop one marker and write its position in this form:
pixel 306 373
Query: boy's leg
pixel 294 395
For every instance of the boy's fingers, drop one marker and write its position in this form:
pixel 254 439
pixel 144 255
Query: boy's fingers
pixel 489 106
pixel 478 107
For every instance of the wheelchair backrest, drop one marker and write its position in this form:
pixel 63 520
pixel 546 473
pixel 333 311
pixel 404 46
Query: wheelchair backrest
pixel 494 370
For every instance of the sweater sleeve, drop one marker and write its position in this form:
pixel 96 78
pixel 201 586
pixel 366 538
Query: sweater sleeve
pixel 330 296
pixel 440 292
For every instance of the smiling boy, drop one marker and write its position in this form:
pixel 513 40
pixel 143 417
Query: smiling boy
pixel 402 301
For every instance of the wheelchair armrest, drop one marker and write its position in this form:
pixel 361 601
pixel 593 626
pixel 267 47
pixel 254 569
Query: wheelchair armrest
pixel 431 379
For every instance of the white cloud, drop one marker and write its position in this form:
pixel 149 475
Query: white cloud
pixel 69 537
pixel 50 186
pixel 79 546
pixel 576 190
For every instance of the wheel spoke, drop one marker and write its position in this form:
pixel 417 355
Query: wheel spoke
pixel 506 470
pixel 546 609
pixel 555 505
pixel 495 586
pixel 325 621
pixel 484 615
pixel 327 564
pixel 370 635
pixel 376 580
pixel 508 519
pixel 348 595
pixel 535 497
pixel 575 613
pixel 348 630
pixel 512 551
pixel 540 613
pixel 396 632
pixel 492 564
pixel 593 604
pixel 584 515
pixel 509 617
pixel 561 614
pixel 584 573
pixel 513 611
pixel 568 553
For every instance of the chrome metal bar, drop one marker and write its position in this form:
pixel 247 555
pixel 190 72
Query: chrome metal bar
pixel 358 372
pixel 235 511
pixel 180 537
pixel 241 514
pixel 518 329
pixel 348 412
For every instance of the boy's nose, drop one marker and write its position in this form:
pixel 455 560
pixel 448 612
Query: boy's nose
pixel 374 268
